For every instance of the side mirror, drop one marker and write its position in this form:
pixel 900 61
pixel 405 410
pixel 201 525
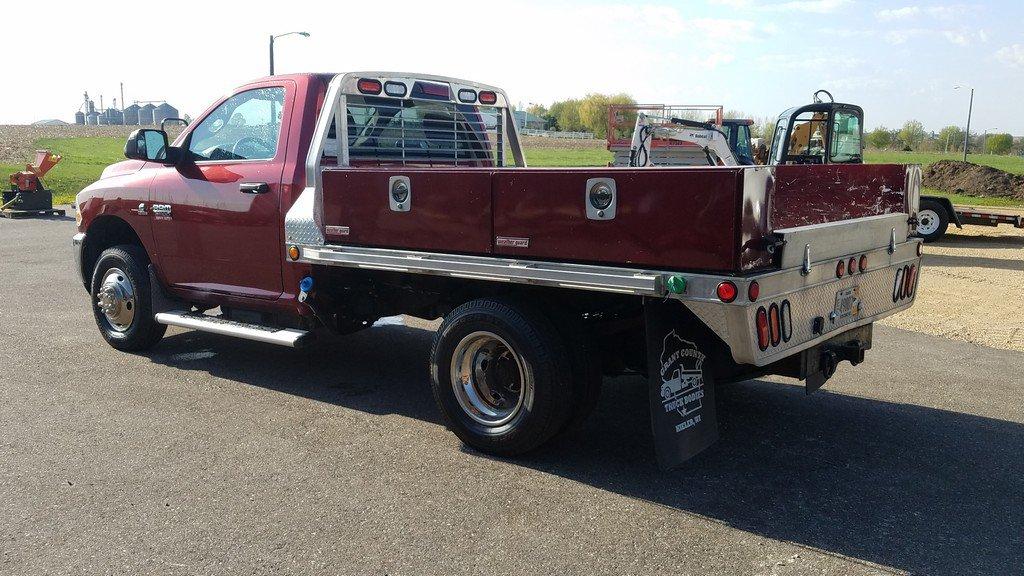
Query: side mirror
pixel 147 144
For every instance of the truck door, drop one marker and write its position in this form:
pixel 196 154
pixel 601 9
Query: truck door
pixel 216 217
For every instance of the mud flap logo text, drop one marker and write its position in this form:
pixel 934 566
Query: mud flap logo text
pixel 682 381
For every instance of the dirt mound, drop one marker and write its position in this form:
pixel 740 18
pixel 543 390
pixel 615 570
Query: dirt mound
pixel 973 180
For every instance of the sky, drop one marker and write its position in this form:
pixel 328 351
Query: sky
pixel 898 60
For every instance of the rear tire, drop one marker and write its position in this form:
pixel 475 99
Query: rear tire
pixel 122 301
pixel 932 220
pixel 501 376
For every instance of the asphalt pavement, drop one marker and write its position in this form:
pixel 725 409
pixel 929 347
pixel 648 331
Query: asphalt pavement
pixel 209 455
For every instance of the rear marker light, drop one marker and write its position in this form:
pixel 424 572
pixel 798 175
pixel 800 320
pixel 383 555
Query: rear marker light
pixel 369 86
pixel 396 89
pixel 293 252
pixel 852 266
pixel 726 291
pixel 488 97
pixel 840 269
pixel 774 324
pixel 898 284
pixel 863 263
pixel 466 95
pixel 920 249
pixel 786 319
pixel 753 291
pixel 762 329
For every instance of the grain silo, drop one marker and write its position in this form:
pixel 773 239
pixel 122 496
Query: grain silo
pixel 80 118
pixel 163 112
pixel 92 118
pixel 146 115
pixel 114 117
pixel 131 115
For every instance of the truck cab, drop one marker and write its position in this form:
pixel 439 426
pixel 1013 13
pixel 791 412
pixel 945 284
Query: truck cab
pixel 819 133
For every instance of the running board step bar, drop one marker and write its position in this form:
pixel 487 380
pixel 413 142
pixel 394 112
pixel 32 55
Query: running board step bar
pixel 215 324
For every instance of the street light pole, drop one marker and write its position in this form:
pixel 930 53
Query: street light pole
pixel 970 108
pixel 272 37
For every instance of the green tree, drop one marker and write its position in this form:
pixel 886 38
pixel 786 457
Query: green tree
pixel 594 114
pixel 567 115
pixel 912 134
pixel 951 139
pixel 880 138
pixel 537 110
pixel 999 143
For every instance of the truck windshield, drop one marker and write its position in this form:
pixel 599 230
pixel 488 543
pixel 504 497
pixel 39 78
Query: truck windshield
pixel 419 132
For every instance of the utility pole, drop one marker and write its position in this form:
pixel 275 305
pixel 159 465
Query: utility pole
pixel 970 107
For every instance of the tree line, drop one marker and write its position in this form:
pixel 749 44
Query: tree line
pixel 587 114
pixel 913 137
pixel 590 114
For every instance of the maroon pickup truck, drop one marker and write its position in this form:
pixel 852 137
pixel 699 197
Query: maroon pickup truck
pixel 307 203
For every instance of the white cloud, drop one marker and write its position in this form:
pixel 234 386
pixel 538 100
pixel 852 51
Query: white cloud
pixel 897 13
pixel 958 38
pixel 907 12
pixel 813 6
pixel 1012 55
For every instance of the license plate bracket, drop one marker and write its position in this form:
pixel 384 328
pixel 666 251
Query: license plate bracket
pixel 847 303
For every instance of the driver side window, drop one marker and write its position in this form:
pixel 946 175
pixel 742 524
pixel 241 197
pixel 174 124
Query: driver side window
pixel 246 126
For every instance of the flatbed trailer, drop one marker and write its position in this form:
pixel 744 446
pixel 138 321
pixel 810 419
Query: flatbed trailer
pixel 937 213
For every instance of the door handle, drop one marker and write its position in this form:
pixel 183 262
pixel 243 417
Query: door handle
pixel 254 187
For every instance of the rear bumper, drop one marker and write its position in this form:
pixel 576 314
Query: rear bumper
pixel 805 304
pixel 77 244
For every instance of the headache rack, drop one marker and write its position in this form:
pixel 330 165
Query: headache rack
pixel 419 120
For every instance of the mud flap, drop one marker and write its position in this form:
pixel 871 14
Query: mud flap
pixel 682 394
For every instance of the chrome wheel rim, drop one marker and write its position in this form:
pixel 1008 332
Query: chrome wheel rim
pixel 488 379
pixel 927 222
pixel 116 299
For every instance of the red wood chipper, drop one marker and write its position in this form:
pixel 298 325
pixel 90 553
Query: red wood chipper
pixel 28 196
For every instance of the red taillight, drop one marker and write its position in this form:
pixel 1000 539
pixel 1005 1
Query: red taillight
pixel 840 269
pixel 369 86
pixel 726 291
pixel 762 329
pixel 852 266
pixel 863 263
pixel 487 97
pixel 753 291
pixel 911 276
pixel 774 325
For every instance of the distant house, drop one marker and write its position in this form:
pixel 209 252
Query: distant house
pixel 532 121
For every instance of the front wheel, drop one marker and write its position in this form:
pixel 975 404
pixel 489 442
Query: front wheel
pixel 501 376
pixel 932 220
pixel 121 300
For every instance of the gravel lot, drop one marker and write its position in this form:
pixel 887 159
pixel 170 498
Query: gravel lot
pixel 217 456
pixel 972 288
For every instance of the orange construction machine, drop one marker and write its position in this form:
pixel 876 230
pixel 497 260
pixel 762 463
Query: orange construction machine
pixel 28 196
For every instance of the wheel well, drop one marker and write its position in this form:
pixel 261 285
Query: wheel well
pixel 947 204
pixel 103 233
